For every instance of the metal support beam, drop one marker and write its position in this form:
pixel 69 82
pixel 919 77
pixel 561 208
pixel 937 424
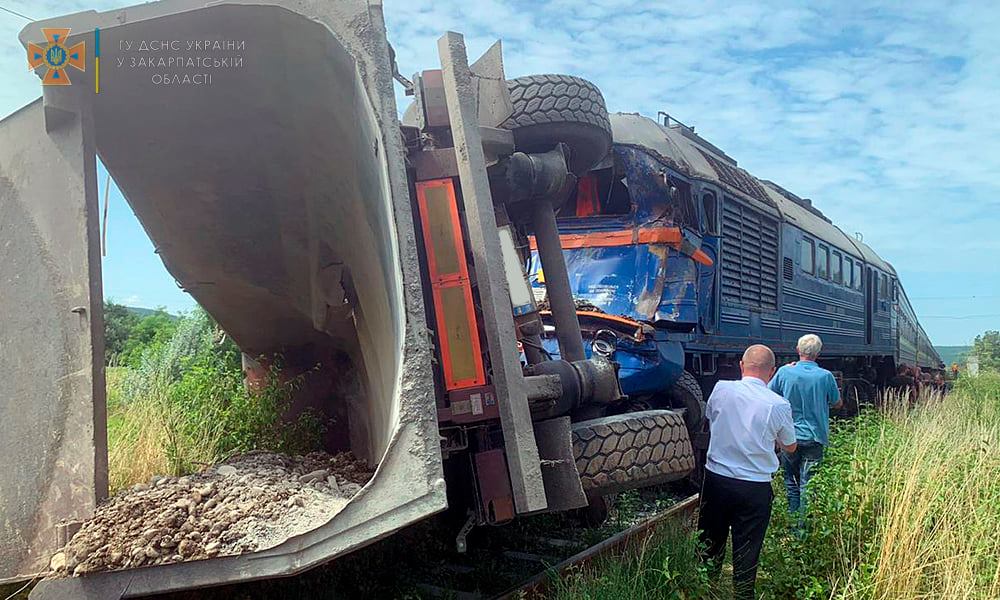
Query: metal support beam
pixel 515 417
pixel 557 282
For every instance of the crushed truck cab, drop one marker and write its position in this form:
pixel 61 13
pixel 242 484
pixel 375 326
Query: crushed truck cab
pixel 386 258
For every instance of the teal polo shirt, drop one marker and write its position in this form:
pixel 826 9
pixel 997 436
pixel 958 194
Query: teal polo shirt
pixel 811 390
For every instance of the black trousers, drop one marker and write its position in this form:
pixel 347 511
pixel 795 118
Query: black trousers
pixel 743 507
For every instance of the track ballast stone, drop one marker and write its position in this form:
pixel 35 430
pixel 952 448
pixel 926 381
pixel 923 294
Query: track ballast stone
pixel 248 503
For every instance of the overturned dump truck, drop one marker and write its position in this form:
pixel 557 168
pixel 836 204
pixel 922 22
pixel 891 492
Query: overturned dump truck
pixel 385 259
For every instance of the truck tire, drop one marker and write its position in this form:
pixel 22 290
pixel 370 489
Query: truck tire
pixel 549 109
pixel 686 393
pixel 632 450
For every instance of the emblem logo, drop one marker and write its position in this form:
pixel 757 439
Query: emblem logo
pixel 56 56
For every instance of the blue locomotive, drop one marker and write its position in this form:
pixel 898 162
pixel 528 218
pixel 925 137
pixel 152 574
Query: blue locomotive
pixel 679 259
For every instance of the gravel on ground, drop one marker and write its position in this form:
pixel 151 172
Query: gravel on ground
pixel 247 503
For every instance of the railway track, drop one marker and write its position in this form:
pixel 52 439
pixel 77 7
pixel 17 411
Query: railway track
pixel 539 584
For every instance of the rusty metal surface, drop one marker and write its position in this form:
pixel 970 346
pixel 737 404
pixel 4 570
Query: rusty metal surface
pixel 52 420
pixel 278 197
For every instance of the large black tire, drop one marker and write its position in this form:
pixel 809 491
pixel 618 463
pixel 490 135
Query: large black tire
pixel 549 109
pixel 686 393
pixel 632 450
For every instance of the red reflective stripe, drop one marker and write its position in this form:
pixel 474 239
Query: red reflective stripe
pixel 624 237
pixel 671 236
pixel 460 279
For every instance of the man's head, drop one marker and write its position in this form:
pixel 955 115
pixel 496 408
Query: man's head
pixel 758 361
pixel 809 346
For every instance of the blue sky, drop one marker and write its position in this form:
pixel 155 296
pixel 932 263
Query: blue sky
pixel 885 114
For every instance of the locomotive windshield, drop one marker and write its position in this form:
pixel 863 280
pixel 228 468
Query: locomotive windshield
pixel 663 199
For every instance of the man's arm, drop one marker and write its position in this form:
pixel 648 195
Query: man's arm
pixel 712 404
pixel 775 383
pixel 784 428
pixel 834 400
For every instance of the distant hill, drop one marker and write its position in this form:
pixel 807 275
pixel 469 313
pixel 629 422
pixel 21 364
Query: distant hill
pixel 952 354
pixel 145 312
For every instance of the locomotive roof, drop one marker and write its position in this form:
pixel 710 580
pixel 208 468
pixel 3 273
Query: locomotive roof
pixel 692 155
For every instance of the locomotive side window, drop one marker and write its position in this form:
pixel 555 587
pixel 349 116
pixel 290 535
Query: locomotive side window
pixel 823 262
pixel 857 277
pixel 710 208
pixel 848 270
pixel 806 250
pixel 836 274
pixel 883 287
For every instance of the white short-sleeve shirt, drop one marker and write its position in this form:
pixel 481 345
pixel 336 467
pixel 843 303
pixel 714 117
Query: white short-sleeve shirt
pixel 745 420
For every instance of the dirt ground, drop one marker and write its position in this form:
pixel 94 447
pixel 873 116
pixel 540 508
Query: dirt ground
pixel 247 503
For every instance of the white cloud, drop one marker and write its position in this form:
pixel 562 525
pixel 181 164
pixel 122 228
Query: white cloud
pixel 885 115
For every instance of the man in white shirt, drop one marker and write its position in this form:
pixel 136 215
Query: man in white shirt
pixel 748 421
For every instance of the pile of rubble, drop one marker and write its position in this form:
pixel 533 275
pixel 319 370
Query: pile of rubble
pixel 251 502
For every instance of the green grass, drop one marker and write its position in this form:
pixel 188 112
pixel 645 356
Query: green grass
pixel 905 505
pixel 183 405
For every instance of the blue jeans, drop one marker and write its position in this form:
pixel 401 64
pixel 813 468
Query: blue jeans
pixel 798 467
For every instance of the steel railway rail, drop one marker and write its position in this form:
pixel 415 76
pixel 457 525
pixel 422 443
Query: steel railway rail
pixel 540 583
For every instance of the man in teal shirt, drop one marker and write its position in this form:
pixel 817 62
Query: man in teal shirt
pixel 812 392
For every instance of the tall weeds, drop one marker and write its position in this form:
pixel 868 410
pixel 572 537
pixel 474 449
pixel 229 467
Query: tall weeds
pixel 905 505
pixel 184 406
pixel 931 497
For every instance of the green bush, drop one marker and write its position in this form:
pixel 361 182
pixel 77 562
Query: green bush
pixel 181 403
pixel 128 336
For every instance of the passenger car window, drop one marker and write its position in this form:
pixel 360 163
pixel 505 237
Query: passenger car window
pixel 806 251
pixel 823 262
pixel 835 267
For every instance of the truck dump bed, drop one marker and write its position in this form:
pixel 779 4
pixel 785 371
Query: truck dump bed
pixel 274 191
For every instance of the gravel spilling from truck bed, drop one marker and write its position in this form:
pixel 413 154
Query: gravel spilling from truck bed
pixel 248 503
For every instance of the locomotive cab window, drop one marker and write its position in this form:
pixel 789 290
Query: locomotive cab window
pixel 710 207
pixel 823 262
pixel 836 272
pixel 806 251
pixel 599 193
